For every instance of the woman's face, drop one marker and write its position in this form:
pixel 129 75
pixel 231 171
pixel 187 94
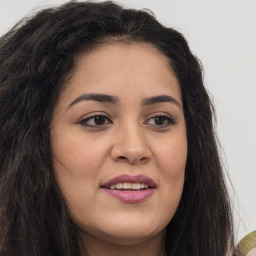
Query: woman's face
pixel 119 146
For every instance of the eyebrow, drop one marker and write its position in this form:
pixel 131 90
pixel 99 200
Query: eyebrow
pixel 160 99
pixel 106 98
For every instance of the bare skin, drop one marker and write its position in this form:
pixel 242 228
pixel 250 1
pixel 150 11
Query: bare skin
pixel 133 126
pixel 252 252
pixel 154 247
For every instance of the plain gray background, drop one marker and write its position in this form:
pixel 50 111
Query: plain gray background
pixel 223 35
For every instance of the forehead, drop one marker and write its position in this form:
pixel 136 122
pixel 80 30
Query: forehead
pixel 125 54
pixel 125 69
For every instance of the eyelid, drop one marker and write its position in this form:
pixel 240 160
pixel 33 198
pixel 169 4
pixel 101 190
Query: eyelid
pixel 171 121
pixel 92 115
pixel 154 114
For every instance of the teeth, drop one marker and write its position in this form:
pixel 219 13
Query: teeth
pixel 135 185
pixel 119 186
pixel 126 185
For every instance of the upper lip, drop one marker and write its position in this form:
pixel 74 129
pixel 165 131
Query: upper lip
pixel 130 179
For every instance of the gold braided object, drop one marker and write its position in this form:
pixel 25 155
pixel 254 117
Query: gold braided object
pixel 246 244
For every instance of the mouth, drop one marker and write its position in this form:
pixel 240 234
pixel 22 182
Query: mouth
pixel 131 189
pixel 129 186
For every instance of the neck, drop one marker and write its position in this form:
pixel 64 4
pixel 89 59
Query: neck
pixel 90 246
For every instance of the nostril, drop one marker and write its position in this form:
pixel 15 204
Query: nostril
pixel 124 158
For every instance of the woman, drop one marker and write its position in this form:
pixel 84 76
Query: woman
pixel 107 140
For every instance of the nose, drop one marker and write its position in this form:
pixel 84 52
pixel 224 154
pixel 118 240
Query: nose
pixel 130 145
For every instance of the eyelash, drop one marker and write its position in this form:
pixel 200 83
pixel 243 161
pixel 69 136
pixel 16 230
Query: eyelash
pixel 168 121
pixel 85 121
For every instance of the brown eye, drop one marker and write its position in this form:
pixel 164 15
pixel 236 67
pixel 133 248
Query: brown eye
pixel 95 121
pixel 99 120
pixel 161 121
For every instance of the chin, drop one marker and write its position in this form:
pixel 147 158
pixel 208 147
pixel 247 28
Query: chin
pixel 129 236
pixel 126 233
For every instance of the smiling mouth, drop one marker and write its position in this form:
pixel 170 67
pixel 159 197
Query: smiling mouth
pixel 130 189
pixel 129 186
pixel 130 182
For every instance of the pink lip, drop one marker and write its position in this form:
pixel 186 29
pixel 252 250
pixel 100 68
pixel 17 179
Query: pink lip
pixel 130 179
pixel 130 196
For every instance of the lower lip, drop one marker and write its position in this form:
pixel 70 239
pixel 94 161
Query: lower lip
pixel 130 196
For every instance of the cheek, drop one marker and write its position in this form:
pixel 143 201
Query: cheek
pixel 77 162
pixel 172 157
pixel 80 156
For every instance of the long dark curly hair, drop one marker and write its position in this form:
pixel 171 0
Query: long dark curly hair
pixel 37 58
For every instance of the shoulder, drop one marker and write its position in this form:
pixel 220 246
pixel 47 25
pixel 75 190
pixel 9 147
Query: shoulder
pixel 247 246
